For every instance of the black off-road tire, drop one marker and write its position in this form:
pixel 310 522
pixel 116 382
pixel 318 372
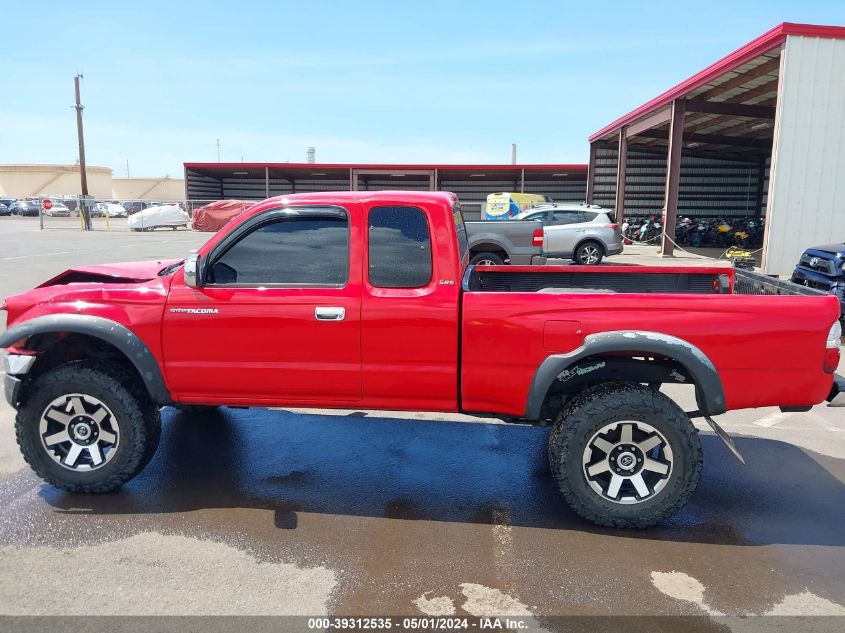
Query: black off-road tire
pixel 594 408
pixel 136 416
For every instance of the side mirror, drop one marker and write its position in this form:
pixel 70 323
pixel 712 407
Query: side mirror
pixel 193 271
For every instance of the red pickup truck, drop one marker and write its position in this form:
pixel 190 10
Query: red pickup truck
pixel 366 300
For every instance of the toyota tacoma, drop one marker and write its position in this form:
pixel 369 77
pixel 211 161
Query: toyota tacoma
pixel 366 300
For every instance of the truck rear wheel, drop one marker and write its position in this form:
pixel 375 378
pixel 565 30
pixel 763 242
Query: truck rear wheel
pixel 486 259
pixel 83 428
pixel 624 455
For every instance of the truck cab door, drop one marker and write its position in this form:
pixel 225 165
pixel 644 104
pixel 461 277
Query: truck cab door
pixel 409 312
pixel 276 319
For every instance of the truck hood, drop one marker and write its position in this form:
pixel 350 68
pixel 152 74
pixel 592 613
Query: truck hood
pixel 123 273
pixel 125 293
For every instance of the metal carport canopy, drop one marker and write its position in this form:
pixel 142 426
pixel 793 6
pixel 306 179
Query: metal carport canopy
pixel 726 110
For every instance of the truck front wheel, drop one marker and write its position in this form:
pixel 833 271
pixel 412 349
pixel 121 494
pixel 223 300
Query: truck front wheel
pixel 625 455
pixel 83 428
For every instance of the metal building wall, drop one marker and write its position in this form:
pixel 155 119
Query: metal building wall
pixel 709 187
pixel 561 187
pixel 807 186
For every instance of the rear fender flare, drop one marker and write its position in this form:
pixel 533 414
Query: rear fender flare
pixel 111 332
pixel 708 386
pixel 488 244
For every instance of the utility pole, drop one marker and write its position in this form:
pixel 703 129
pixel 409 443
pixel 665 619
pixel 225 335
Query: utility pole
pixel 218 150
pixel 513 153
pixel 83 174
pixel 127 168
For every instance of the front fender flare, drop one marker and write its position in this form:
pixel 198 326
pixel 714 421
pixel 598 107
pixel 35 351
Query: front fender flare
pixel 106 330
pixel 708 386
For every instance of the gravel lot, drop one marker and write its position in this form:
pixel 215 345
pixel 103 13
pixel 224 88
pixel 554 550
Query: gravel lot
pixel 268 512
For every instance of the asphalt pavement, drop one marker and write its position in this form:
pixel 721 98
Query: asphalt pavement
pixel 274 512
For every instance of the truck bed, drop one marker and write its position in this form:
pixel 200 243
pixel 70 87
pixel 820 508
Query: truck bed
pixel 628 279
pixel 515 316
pixel 611 279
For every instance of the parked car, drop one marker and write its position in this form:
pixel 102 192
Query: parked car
pixel 94 209
pixel 364 300
pixel 114 210
pixel 25 207
pixel 821 267
pixel 7 202
pixel 133 206
pixel 58 210
pixel 171 215
pixel 583 233
pixel 4 210
pixel 505 242
pixel 100 209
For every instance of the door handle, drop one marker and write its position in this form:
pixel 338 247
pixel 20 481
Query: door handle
pixel 323 313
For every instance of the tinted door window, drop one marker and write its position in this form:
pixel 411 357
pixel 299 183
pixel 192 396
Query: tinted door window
pixel 301 251
pixel 565 217
pixel 399 247
pixel 537 216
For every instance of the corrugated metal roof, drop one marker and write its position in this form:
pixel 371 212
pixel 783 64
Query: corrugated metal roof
pixel 390 166
pixel 742 60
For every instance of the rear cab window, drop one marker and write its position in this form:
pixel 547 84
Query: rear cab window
pixel 399 247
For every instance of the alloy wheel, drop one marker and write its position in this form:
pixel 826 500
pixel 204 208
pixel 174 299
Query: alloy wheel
pixel 79 432
pixel 627 462
pixel 590 254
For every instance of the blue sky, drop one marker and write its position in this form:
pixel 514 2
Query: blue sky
pixel 361 81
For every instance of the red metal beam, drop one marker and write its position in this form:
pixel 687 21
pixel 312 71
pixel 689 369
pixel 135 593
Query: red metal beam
pixel 713 139
pixel 735 82
pixel 621 168
pixel 673 177
pixel 387 166
pixel 591 174
pixel 658 118
pixel 732 109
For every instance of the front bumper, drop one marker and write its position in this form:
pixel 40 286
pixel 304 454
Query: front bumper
pixel 836 397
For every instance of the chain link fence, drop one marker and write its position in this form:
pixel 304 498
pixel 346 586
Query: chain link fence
pixel 66 213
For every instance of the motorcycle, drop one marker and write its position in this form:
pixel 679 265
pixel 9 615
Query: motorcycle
pixel 750 233
pixel 649 230
pixel 683 231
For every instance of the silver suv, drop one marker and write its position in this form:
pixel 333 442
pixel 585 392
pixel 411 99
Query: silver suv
pixel 580 232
